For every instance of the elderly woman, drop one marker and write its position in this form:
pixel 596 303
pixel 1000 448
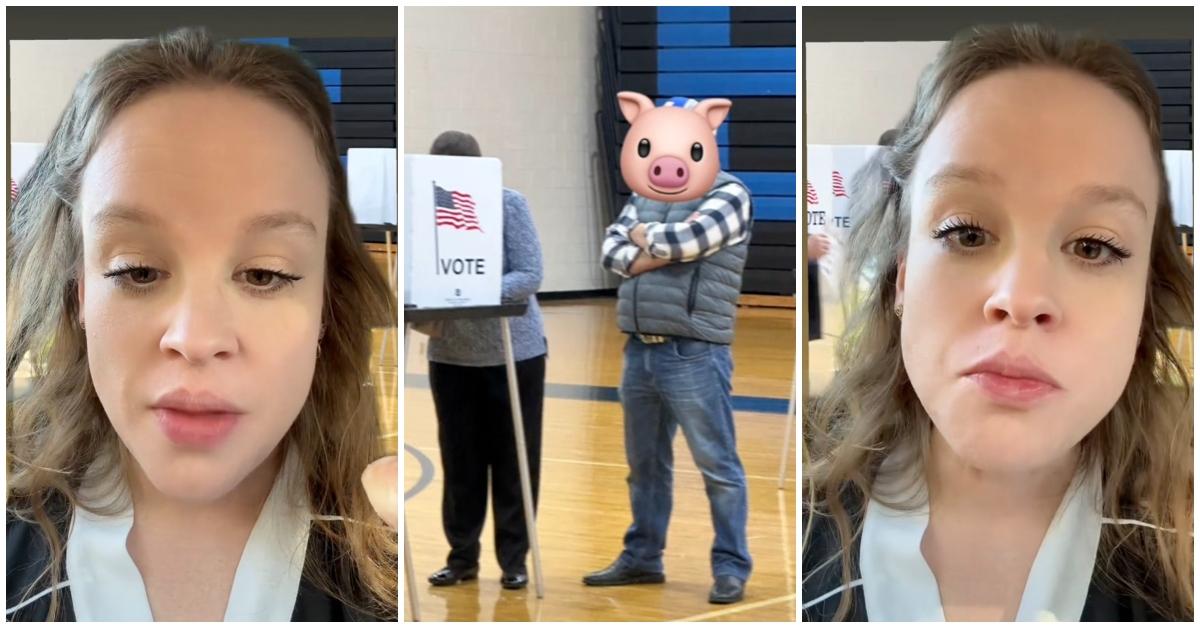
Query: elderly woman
pixel 470 394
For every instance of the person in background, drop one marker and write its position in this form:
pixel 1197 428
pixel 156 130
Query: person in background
pixel 818 246
pixel 470 394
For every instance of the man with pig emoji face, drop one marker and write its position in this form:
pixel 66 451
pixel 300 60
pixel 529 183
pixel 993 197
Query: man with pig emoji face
pixel 681 244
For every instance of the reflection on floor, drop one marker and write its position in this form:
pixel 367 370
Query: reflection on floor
pixel 584 507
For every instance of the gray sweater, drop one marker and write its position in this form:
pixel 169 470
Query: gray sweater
pixel 478 342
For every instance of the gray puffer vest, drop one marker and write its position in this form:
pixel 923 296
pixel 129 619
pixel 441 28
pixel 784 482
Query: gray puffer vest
pixel 695 299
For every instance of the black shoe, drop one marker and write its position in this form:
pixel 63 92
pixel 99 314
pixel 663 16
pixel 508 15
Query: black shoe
pixel 514 580
pixel 448 576
pixel 617 574
pixel 727 590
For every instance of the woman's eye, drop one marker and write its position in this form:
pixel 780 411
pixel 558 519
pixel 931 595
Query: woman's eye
pixel 259 278
pixel 961 234
pixel 1089 250
pixel 969 238
pixel 137 279
pixel 1099 251
pixel 142 275
pixel 264 280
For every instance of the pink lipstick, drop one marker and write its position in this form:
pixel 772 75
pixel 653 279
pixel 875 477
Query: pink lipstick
pixel 1012 380
pixel 195 419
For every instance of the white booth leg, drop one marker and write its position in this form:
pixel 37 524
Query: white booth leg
pixel 787 436
pixel 522 459
pixel 410 576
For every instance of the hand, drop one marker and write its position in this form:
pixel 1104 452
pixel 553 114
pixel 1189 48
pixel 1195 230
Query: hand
pixel 379 479
pixel 644 263
pixel 637 235
pixel 818 246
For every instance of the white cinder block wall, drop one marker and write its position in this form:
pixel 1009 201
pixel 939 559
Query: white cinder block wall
pixel 857 90
pixel 42 75
pixel 523 82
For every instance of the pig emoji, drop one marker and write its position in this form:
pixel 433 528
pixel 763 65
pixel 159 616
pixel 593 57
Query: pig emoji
pixel 670 153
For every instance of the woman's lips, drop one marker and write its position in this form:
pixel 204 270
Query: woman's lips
pixel 196 429
pixel 1012 391
pixel 195 418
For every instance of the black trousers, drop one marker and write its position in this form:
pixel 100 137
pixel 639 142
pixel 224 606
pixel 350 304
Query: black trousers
pixel 475 432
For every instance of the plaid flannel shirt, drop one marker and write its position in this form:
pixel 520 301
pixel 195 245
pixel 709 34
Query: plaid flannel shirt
pixel 722 220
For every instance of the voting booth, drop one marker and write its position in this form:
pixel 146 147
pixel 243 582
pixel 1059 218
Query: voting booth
pixel 371 185
pixel 21 158
pixel 453 270
pixel 453 231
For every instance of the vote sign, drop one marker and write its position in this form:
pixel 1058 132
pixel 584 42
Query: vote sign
pixel 454 231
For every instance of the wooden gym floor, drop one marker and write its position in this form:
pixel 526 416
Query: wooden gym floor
pixel 584 506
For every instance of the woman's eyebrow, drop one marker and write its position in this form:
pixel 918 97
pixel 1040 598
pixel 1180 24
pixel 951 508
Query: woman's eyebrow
pixel 1109 194
pixel 1093 194
pixel 115 214
pixel 958 173
pixel 281 220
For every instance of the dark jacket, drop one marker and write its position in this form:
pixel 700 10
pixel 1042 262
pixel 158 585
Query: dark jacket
pixel 1101 603
pixel 27 555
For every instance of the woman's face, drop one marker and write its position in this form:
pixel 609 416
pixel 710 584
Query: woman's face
pixel 204 213
pixel 1024 280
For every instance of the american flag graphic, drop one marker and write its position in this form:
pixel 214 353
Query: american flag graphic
pixel 811 193
pixel 455 209
pixel 839 188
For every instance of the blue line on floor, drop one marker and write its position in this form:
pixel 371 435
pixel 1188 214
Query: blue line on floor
pixel 582 392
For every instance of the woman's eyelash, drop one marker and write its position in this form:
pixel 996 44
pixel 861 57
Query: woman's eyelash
pixel 124 269
pixel 955 224
pixel 285 279
pixel 280 279
pixel 1108 241
pixel 122 276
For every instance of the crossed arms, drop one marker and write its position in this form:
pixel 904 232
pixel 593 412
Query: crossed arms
pixel 631 248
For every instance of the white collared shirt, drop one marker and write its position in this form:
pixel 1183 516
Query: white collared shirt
pixel 898 584
pixel 107 586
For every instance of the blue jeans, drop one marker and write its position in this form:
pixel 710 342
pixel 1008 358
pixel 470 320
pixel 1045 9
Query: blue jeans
pixel 682 383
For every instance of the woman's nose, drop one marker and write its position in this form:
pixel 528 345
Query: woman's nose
pixel 1024 292
pixel 201 326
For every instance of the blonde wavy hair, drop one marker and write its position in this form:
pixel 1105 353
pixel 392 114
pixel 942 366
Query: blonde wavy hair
pixel 59 428
pixel 1143 445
